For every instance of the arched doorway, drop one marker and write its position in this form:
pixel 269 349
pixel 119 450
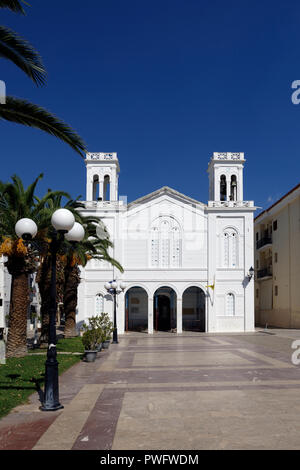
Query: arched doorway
pixel 136 309
pixel 193 309
pixel 164 318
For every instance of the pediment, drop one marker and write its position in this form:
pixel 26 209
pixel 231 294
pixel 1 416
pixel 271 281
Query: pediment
pixel 162 193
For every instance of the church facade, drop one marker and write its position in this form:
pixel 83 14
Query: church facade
pixel 187 264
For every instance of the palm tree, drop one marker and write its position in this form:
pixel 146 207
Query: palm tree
pixel 79 254
pixel 43 277
pixel 16 202
pixel 16 49
pixel 13 5
pixel 69 259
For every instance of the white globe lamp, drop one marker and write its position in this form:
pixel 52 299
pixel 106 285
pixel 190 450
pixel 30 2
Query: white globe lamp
pixel 114 285
pixel 63 220
pixel 76 234
pixel 26 227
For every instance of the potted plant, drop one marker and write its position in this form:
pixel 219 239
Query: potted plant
pixel 107 328
pixel 95 323
pixel 90 339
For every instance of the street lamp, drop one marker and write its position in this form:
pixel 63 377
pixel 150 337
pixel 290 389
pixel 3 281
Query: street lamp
pixel 76 234
pixel 114 289
pixel 26 229
pixel 250 273
pixel 63 222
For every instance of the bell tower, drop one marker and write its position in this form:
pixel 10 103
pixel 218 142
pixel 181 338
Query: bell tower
pixel 225 172
pixel 102 174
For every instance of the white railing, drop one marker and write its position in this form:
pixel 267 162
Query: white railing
pixel 103 204
pixel 230 204
pixel 228 156
pixel 101 156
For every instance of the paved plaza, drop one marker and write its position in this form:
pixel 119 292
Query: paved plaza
pixel 160 392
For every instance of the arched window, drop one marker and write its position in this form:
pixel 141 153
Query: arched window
pixel 165 243
pixel 99 304
pixel 233 188
pixel 155 247
pixel 223 188
pixel 106 188
pixel 176 246
pixel 95 187
pixel 230 248
pixel 230 304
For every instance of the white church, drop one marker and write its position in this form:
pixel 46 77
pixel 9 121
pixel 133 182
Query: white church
pixel 187 264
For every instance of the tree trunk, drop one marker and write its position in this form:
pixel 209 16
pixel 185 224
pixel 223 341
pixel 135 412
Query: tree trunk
pixel 45 305
pixel 44 283
pixel 70 300
pixel 19 301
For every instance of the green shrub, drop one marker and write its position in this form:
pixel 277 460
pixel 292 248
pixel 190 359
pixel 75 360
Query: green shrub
pixel 106 326
pixel 91 336
pixel 98 330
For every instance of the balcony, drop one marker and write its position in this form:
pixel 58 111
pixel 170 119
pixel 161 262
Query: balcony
pixel 263 242
pixel 262 273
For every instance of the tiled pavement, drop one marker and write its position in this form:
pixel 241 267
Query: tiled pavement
pixel 194 391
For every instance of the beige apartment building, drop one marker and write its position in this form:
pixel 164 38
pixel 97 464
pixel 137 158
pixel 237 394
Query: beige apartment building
pixel 277 263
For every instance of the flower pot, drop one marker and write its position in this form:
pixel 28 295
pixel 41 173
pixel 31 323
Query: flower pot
pixel 105 344
pixel 90 356
pixel 99 347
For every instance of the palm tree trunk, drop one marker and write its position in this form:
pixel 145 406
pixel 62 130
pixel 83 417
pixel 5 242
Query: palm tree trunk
pixel 70 300
pixel 44 283
pixel 45 305
pixel 19 301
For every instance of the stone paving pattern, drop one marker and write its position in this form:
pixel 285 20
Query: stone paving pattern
pixel 194 391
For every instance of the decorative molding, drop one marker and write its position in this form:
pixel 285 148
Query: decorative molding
pixel 103 204
pixel 102 156
pixel 222 204
pixel 228 156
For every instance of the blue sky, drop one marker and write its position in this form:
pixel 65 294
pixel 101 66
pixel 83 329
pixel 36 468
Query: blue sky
pixel 164 84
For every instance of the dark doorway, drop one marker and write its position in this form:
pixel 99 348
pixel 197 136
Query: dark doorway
pixel 136 309
pixel 164 313
pixel 193 309
pixel 164 309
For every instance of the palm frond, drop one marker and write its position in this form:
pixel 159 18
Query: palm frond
pixel 26 113
pixel 13 5
pixel 19 51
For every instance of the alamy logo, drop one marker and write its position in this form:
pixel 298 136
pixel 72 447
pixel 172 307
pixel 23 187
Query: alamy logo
pixel 2 92
pixel 296 354
pixel 296 94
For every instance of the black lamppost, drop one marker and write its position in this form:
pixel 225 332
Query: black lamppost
pixel 250 273
pixel 64 225
pixel 114 289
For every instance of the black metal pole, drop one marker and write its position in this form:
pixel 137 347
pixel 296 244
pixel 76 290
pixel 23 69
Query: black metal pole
pixel 115 332
pixel 51 394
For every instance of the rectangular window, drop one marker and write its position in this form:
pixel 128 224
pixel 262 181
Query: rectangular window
pixel 276 291
pixel 257 264
pixel 276 257
pixel 257 293
pixel 275 225
pixel 257 236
